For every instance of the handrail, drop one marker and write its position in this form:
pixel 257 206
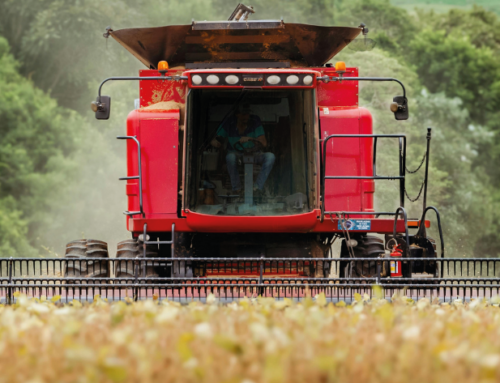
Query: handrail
pixel 426 176
pixel 171 242
pixel 402 171
pixel 422 232
pixel 139 177
pixel 401 177
pixel 405 217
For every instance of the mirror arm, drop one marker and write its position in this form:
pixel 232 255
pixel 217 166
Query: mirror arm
pixel 371 79
pixel 340 79
pixel 175 78
pixel 101 106
pixel 399 105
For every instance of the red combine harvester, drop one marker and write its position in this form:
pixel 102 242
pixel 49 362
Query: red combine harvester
pixel 248 156
pixel 248 145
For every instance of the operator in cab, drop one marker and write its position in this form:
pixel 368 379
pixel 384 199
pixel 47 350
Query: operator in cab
pixel 244 130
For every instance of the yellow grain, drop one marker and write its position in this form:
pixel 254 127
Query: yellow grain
pixel 256 341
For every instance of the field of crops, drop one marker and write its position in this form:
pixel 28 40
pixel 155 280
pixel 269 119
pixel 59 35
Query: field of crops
pixel 250 341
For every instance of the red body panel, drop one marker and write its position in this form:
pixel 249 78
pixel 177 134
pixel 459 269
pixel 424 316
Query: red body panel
pixel 152 92
pixel 216 224
pixel 281 224
pixel 350 156
pixel 157 132
pixel 338 94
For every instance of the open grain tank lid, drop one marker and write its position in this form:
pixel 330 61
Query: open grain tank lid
pixel 258 41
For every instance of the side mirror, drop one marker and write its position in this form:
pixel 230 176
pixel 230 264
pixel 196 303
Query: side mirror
pixel 399 107
pixel 101 107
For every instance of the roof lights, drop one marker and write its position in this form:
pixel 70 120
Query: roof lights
pixel 213 79
pixel 292 80
pixel 273 80
pixel 252 79
pixel 232 79
pixel 196 79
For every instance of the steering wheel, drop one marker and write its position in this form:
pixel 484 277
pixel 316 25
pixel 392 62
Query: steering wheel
pixel 256 147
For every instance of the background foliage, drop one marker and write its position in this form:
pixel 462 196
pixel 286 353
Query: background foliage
pixel 59 167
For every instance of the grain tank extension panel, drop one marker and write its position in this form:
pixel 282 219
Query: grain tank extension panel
pixel 261 41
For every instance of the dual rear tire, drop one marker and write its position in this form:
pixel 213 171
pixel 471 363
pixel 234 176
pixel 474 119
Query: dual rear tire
pixel 127 252
pixel 79 263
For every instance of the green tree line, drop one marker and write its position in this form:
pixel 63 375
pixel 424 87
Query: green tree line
pixel 58 166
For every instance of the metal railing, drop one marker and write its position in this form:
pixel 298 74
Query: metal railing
pixel 137 177
pixel 236 278
pixel 400 177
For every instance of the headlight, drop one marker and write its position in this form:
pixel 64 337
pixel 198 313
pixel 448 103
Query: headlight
pixel 213 79
pixel 196 79
pixel 308 80
pixel 232 79
pixel 273 80
pixel 292 80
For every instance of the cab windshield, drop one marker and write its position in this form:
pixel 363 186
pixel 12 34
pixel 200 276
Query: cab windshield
pixel 250 152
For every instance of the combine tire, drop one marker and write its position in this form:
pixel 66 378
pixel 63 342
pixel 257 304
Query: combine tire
pixel 368 246
pixel 84 250
pixel 321 269
pixel 127 252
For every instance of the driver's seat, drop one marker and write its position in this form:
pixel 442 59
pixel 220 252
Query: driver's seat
pixel 241 172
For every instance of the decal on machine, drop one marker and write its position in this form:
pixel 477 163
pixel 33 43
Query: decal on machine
pixel 354 224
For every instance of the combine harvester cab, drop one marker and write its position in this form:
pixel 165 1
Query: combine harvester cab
pixel 248 156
